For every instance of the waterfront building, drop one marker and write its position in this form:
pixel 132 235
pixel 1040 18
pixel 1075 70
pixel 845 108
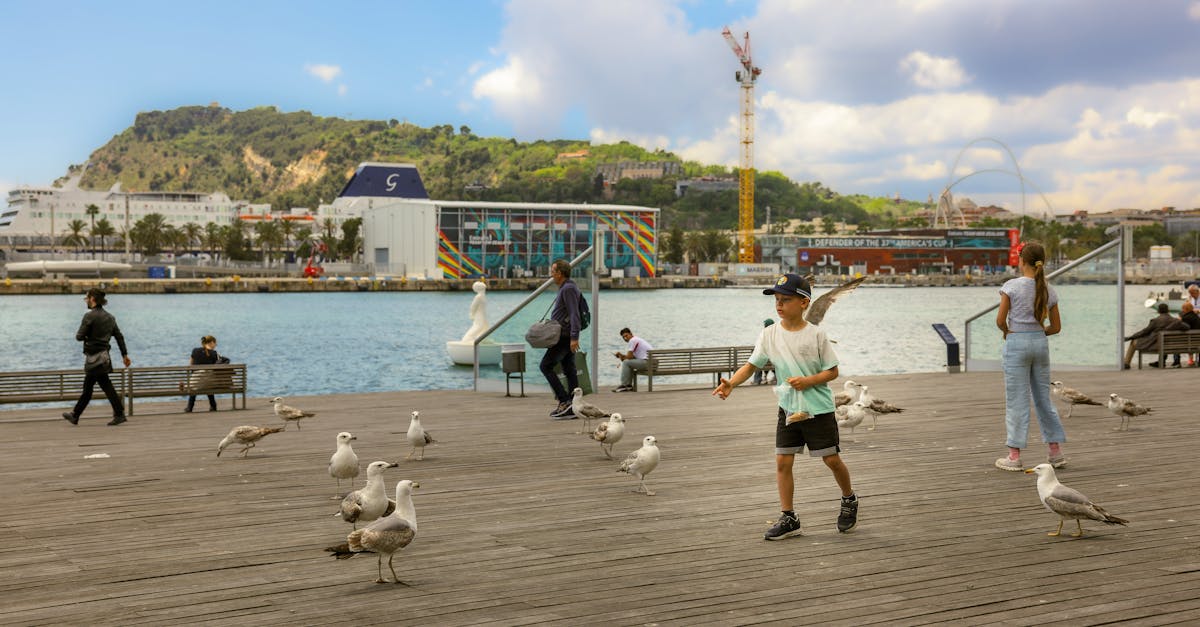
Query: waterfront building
pixel 405 233
pixel 920 251
pixel 36 217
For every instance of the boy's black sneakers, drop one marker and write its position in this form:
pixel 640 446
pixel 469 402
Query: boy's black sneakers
pixel 848 516
pixel 787 527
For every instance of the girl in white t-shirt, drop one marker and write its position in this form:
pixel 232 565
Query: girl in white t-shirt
pixel 1028 314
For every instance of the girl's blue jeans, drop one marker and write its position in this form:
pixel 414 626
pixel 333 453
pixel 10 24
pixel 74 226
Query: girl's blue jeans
pixel 1026 360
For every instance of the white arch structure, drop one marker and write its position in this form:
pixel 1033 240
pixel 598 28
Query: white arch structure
pixel 945 199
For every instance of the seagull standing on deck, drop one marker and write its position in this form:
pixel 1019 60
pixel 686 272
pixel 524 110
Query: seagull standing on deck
pixel 246 435
pixel 875 406
pixel 848 395
pixel 641 462
pixel 1125 409
pixel 1069 504
pixel 385 536
pixel 370 501
pixel 418 437
pixel 586 410
pixel 855 413
pixel 609 433
pixel 1070 396
pixel 344 463
pixel 289 413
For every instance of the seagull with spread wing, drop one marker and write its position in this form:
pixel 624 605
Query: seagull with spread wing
pixel 1070 396
pixel 818 308
pixel 586 410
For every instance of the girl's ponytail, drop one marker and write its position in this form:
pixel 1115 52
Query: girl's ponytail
pixel 1034 256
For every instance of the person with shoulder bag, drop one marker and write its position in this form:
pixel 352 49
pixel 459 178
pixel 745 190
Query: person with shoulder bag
pixel 96 331
pixel 205 355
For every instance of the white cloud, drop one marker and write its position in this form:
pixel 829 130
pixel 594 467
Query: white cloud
pixel 1194 11
pixel 1144 118
pixel 342 89
pixel 926 70
pixel 323 71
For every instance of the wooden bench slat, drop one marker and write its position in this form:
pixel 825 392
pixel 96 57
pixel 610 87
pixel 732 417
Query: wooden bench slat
pixel 714 360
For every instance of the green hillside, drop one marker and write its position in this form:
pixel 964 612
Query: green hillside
pixel 301 160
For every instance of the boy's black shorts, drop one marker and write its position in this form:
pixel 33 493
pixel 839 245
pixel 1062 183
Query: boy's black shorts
pixel 819 434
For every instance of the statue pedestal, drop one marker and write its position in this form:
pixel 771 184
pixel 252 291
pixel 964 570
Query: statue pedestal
pixel 462 353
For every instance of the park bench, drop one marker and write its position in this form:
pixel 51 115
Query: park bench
pixel 41 386
pixel 1171 343
pixel 721 360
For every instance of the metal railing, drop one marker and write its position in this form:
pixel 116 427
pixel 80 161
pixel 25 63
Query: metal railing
pixel 595 326
pixel 1120 299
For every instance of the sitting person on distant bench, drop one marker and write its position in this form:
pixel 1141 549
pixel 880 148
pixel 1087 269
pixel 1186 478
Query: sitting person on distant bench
pixel 1147 338
pixel 634 359
pixel 1189 317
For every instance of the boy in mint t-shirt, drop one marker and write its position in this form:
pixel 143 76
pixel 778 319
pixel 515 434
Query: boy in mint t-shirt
pixel 804 365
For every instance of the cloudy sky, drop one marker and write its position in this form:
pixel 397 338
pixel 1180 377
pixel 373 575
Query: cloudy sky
pixel 1098 101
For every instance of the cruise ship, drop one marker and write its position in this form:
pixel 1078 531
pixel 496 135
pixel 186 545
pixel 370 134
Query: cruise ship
pixel 35 213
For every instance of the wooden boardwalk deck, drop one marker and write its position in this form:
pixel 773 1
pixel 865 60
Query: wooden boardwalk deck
pixel 523 521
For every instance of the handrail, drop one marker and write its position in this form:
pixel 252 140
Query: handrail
pixel 537 292
pixel 1070 266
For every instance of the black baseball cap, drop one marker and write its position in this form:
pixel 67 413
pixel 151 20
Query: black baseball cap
pixel 791 285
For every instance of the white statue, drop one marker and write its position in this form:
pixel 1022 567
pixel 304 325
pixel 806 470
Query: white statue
pixel 462 352
pixel 478 313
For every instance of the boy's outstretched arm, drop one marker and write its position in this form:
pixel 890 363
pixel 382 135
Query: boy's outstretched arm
pixel 726 386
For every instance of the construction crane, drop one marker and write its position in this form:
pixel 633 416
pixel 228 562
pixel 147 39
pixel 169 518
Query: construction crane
pixel 746 78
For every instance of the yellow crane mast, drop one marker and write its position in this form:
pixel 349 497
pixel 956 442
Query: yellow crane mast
pixel 746 78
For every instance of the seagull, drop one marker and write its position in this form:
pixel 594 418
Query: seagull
pixel 418 437
pixel 609 433
pixel 586 410
pixel 1068 503
pixel 344 463
pixel 641 462
pixel 246 435
pixel 848 395
pixel 816 311
pixel 370 501
pixel 288 412
pixel 385 536
pixel 1125 409
pixel 854 413
pixel 875 405
pixel 1070 396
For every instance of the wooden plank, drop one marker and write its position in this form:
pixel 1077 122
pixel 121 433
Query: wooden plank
pixel 523 521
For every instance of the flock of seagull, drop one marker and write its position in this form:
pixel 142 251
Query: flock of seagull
pixel 391 524
pixel 1120 407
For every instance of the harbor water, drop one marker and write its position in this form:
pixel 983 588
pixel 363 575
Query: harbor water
pixel 324 343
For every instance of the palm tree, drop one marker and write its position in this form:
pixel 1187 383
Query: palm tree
pixel 212 238
pixel 191 232
pixel 148 233
pixel 75 237
pixel 102 229
pixel 287 228
pixel 269 236
pixel 92 210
